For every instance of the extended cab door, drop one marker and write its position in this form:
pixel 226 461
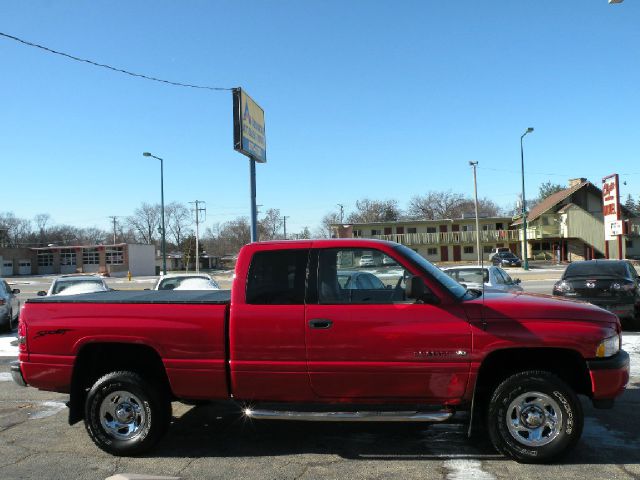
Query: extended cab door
pixel 366 341
pixel 266 326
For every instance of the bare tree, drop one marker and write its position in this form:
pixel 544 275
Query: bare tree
pixel 368 211
pixel 16 231
pixel 437 205
pixel 41 220
pixel 325 230
pixel 227 238
pixel 271 224
pixel 178 220
pixel 145 222
pixel 547 188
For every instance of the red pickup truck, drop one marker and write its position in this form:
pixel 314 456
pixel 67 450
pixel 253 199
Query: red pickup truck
pixel 310 332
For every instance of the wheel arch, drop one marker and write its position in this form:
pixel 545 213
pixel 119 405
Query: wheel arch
pixel 97 359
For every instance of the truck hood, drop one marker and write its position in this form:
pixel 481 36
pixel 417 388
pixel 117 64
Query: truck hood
pixel 523 306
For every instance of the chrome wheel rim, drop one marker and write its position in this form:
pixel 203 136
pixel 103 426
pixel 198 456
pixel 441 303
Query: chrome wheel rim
pixel 534 419
pixel 122 415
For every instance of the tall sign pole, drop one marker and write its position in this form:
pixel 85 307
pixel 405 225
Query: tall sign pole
pixel 475 196
pixel 249 139
pixel 612 212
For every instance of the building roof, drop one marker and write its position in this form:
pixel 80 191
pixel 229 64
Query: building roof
pixel 550 202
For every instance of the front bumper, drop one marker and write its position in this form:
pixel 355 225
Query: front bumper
pixel 16 373
pixel 609 377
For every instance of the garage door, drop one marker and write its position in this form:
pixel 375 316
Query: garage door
pixel 24 267
pixel 7 268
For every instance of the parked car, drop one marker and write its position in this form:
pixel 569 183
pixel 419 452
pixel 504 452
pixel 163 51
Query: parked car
pixel 611 284
pixel 349 280
pixel 75 284
pixel 506 259
pixel 499 250
pixel 9 306
pixel 494 278
pixel 366 260
pixel 186 281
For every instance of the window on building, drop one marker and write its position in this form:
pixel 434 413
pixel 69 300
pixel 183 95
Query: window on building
pixel 114 256
pixel 277 277
pixel 413 230
pixel 45 259
pixel 67 257
pixel 376 232
pixel 499 226
pixel 485 228
pixel 431 230
pixel 432 251
pixel 487 249
pixel 468 249
pixel 357 233
pixel 90 256
pixel 629 243
pixel 467 228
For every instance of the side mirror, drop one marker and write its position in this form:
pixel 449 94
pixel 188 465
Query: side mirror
pixel 415 288
pixel 517 281
pixel 42 293
pixel 147 289
pixel 15 291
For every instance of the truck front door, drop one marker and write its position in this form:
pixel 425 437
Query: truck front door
pixel 364 340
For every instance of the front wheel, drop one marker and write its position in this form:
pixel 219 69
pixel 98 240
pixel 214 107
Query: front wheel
pixel 534 417
pixel 126 415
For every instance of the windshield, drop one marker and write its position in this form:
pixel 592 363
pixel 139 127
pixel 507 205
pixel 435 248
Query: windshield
pixel 506 255
pixel 468 275
pixel 77 286
pixel 187 283
pixel 594 269
pixel 445 280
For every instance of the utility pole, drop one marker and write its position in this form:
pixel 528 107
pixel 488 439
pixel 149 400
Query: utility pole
pixel 341 212
pixel 474 165
pixel 113 217
pixel 198 209
pixel 284 217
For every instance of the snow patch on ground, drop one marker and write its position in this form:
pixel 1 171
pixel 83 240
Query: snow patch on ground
pixel 5 377
pixel 50 409
pixel 631 344
pixel 464 469
pixel 6 349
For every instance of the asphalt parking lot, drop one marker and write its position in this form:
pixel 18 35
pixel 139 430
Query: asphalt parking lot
pixel 217 442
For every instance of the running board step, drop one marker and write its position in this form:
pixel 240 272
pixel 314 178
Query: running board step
pixel 365 416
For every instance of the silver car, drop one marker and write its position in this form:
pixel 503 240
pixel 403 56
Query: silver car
pixel 494 278
pixel 9 306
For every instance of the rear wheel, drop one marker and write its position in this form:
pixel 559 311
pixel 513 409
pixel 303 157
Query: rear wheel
pixel 126 415
pixel 534 417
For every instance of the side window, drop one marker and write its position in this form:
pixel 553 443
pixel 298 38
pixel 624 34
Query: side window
pixel 500 280
pixel 354 275
pixel 277 277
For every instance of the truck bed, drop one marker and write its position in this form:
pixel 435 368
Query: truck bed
pixel 215 297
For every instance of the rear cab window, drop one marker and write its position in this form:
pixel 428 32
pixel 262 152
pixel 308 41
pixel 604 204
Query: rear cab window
pixel 277 277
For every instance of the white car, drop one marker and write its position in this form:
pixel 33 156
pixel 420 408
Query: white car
pixel 494 278
pixel 186 281
pixel 76 284
pixel 366 260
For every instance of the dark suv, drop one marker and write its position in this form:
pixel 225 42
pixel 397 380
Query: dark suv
pixel 611 284
pixel 506 259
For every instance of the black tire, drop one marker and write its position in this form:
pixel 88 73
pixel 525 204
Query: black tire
pixel 545 397
pixel 9 324
pixel 144 409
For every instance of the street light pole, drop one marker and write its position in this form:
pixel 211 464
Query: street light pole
pixel 475 194
pixel 524 203
pixel 164 240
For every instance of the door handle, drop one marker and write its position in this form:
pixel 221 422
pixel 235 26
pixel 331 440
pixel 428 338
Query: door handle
pixel 320 323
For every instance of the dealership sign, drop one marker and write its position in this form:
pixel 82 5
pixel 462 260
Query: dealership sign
pixel 248 127
pixel 611 207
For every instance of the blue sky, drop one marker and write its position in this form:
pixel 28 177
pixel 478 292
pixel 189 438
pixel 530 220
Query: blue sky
pixel 362 99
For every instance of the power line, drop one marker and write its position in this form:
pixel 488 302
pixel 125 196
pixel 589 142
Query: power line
pixel 109 67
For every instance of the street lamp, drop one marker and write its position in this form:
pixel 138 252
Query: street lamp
pixel 474 165
pixel 524 203
pixel 164 242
